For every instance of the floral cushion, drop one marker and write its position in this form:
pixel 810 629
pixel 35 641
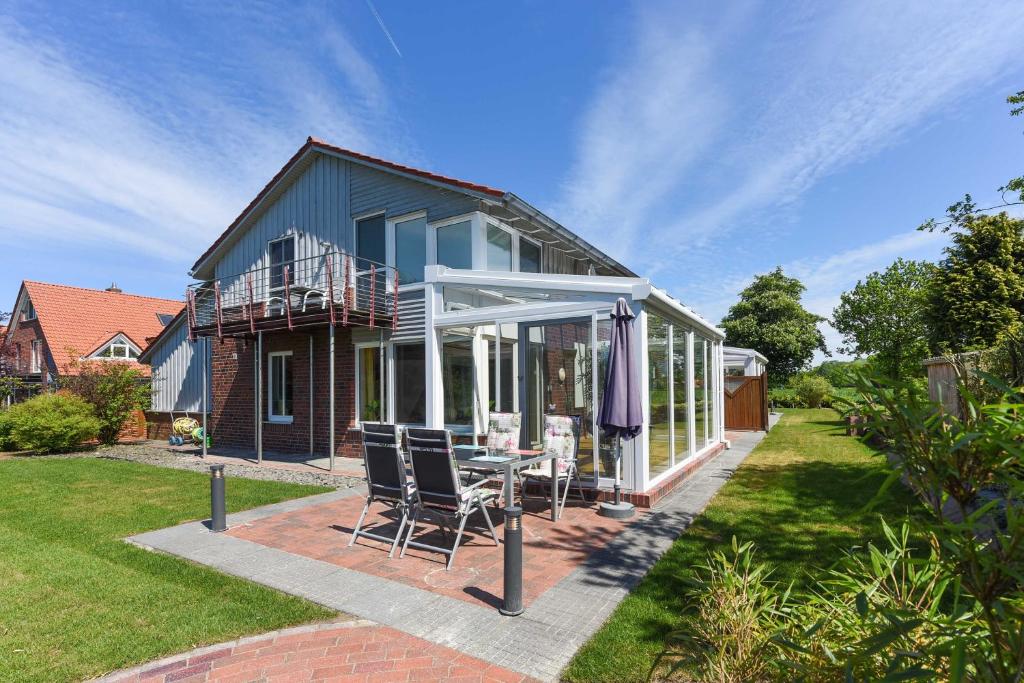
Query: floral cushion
pixel 559 437
pixel 503 431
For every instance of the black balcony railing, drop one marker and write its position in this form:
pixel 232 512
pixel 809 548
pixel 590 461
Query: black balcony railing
pixel 334 288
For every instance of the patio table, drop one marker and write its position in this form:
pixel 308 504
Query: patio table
pixel 510 462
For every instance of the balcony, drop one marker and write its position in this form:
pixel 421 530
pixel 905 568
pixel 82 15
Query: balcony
pixel 332 288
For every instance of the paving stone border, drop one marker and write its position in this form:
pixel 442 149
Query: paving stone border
pixel 538 644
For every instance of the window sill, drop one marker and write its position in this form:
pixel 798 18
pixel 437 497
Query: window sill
pixel 277 419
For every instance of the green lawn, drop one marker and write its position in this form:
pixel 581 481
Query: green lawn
pixel 76 601
pixel 799 496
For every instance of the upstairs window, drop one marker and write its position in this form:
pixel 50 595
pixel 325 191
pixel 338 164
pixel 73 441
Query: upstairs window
pixel 371 240
pixel 529 256
pixel 455 245
pixel 30 311
pixel 281 253
pixel 165 318
pixel 411 249
pixel 499 249
pixel 36 359
pixel 117 350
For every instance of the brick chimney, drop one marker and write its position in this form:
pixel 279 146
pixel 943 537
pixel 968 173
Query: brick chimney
pixel 113 288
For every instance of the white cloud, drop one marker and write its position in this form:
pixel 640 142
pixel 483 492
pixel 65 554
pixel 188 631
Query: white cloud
pixel 161 157
pixel 820 91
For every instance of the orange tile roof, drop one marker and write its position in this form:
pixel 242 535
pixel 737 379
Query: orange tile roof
pixel 76 321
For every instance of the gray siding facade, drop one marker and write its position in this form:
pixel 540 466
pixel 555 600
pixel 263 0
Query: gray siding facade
pixel 178 372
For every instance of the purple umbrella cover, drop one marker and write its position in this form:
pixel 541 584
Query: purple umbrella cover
pixel 621 414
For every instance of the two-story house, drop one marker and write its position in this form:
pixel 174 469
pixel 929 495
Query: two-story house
pixel 53 327
pixel 352 288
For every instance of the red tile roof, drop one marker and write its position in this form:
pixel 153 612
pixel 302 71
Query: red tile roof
pixel 77 321
pixel 314 143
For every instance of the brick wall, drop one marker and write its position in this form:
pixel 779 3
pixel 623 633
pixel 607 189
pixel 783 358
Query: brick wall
pixel 21 341
pixel 231 418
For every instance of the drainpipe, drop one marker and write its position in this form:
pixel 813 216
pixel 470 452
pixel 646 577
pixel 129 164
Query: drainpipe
pixel 330 392
pixel 259 397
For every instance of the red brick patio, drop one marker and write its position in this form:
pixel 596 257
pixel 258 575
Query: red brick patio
pixel 356 651
pixel 551 550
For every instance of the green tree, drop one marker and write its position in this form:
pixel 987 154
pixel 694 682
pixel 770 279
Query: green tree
pixel 884 315
pixel 770 318
pixel 1017 184
pixel 977 292
pixel 114 389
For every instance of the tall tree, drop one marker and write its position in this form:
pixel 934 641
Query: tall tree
pixel 977 292
pixel 770 318
pixel 884 316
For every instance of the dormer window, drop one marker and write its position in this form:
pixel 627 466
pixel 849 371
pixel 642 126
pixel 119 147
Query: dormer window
pixel 119 348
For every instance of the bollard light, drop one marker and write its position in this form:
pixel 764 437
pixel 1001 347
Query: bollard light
pixel 512 603
pixel 218 516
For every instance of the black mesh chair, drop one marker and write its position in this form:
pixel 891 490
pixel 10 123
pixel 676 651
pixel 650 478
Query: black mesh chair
pixel 385 479
pixel 440 491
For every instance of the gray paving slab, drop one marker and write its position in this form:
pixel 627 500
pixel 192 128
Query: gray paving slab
pixel 538 643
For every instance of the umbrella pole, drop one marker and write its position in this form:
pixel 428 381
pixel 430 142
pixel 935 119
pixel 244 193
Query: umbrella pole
pixel 617 509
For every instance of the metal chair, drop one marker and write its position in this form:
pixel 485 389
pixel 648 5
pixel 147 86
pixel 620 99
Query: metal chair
pixel 561 434
pixel 315 294
pixel 386 479
pixel 440 491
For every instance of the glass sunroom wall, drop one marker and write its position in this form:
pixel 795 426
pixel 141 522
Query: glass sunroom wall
pixel 680 398
pixel 713 381
pixel 660 407
pixel 700 391
pixel 459 379
pixel 605 461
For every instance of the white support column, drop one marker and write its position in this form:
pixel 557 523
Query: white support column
pixel 691 396
pixel 670 367
pixel 432 359
pixel 206 359
pixel 259 397
pixel 311 394
pixel 330 392
pixel 641 474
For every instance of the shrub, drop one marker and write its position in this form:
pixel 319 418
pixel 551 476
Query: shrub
pixel 812 390
pixel 6 441
pixel 114 389
pixel 51 423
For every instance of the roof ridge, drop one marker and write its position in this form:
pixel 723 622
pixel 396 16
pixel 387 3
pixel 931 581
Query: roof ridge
pixel 103 291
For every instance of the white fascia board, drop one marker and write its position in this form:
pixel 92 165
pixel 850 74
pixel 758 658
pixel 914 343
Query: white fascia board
pixel 19 305
pixel 601 284
pixel 517 312
pixel 662 300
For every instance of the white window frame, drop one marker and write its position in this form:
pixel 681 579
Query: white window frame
pixel 122 342
pixel 476 251
pixel 30 311
pixel 513 242
pixel 271 417
pixel 36 356
pixel 295 254
pixel 540 249
pixel 391 245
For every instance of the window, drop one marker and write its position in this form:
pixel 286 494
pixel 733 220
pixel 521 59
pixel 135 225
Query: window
pixel 410 384
pixel 680 409
pixel 411 249
pixel 36 359
pixel 118 349
pixel 371 239
pixel 30 311
pixel 281 253
pixel 459 379
pixel 370 384
pixel 165 318
pixel 659 370
pixel 699 391
pixel 529 256
pixel 279 390
pixel 499 249
pixel 455 245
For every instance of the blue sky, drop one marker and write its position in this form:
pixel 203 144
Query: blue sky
pixel 698 143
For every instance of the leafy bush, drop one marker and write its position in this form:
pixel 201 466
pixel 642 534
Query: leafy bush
pixel 115 390
pixel 6 442
pixel 51 423
pixel 812 390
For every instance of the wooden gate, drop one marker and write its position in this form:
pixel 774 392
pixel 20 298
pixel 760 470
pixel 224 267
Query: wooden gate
pixel 746 403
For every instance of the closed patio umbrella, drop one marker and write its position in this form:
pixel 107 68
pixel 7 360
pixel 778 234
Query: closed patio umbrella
pixel 621 415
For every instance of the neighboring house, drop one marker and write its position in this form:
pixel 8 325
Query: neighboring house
pixel 743 362
pixel 352 288
pixel 54 326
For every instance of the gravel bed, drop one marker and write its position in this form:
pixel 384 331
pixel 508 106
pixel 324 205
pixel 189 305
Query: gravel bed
pixel 184 461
